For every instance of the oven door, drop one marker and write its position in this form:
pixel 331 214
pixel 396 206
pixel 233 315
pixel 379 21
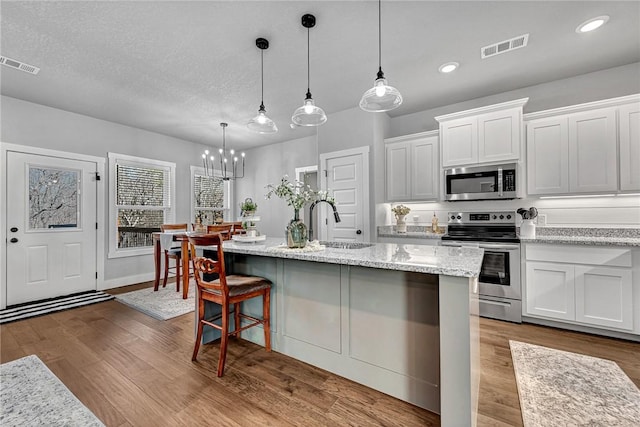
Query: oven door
pixel 500 272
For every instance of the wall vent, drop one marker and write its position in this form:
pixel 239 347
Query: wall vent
pixel 504 46
pixel 19 65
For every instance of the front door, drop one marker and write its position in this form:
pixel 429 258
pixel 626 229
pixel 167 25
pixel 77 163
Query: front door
pixel 51 227
pixel 347 178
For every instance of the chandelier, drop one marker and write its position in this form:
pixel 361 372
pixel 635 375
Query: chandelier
pixel 228 161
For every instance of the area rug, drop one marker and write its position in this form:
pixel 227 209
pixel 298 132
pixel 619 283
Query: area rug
pixel 31 395
pixel 163 304
pixel 559 388
pixel 39 308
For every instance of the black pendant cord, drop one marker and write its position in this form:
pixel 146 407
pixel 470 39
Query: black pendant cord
pixel 379 35
pixel 308 66
pixel 262 79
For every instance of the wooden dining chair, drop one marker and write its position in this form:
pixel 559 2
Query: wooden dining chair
pixel 226 291
pixel 224 229
pixel 174 254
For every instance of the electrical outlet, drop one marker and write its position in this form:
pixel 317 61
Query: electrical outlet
pixel 542 220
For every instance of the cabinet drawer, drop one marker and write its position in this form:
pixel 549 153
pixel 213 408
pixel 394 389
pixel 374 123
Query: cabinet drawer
pixel 612 257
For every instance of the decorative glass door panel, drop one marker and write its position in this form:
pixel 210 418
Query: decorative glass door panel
pixel 53 201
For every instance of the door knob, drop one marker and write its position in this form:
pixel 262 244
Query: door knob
pixel 359 232
pixel 14 229
pixel 13 240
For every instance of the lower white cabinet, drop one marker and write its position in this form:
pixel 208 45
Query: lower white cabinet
pixel 551 290
pixel 592 286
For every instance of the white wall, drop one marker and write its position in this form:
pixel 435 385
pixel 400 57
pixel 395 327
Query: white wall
pixel 26 123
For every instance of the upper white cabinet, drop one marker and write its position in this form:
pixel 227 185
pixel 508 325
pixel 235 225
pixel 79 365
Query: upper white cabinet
pixel 593 151
pixel 412 167
pixel 629 124
pixel 574 150
pixel 482 135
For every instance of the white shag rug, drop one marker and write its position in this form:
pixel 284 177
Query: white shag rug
pixel 164 304
pixel 31 395
pixel 559 388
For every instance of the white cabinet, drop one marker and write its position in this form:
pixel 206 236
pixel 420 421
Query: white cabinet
pixel 604 296
pixel 412 167
pixel 593 151
pixel 592 286
pixel 482 135
pixel 574 150
pixel 550 290
pixel 548 156
pixel 629 125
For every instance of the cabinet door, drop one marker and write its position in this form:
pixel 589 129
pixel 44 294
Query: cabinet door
pixel 550 290
pixel 499 136
pixel 604 296
pixel 548 156
pixel 398 174
pixel 629 147
pixel 459 142
pixel 593 151
pixel 424 169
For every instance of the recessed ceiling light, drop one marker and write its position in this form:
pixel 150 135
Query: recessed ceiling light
pixel 448 67
pixel 592 24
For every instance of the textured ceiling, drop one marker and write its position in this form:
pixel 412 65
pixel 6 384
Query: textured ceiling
pixel 179 68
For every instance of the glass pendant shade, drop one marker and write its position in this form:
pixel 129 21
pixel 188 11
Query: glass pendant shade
pixel 381 97
pixel 309 114
pixel 262 123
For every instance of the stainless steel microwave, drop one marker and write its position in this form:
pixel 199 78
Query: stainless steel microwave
pixel 481 182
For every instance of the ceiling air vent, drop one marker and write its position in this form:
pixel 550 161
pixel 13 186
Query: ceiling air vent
pixel 19 65
pixel 504 46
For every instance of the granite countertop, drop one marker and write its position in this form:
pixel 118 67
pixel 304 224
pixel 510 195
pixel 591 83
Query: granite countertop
pixel 460 262
pixel 586 236
pixel 595 236
pixel 413 231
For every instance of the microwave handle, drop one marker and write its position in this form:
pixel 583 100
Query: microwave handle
pixel 500 182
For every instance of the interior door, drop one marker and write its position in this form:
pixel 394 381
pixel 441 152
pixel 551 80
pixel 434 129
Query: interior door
pixel 346 179
pixel 51 227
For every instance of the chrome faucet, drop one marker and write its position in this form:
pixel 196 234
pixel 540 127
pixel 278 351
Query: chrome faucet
pixel 336 216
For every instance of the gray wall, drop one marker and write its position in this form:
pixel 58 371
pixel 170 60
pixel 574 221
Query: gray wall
pixel 270 164
pixel 610 83
pixel 36 125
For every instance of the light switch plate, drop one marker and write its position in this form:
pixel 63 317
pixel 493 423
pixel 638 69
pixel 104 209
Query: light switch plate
pixel 542 220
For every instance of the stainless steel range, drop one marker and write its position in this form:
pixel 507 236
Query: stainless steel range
pixel 499 281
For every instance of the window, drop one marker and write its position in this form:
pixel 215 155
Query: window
pixel 210 198
pixel 142 196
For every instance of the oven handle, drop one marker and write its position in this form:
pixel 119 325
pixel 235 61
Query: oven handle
pixel 498 246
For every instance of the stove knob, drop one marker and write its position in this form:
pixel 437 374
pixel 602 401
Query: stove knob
pixel 453 217
pixel 501 216
pixel 508 216
pixel 459 217
pixel 495 217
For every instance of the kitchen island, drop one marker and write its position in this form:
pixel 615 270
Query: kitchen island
pixel 401 319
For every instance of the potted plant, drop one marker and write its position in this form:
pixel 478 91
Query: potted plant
pixel 248 207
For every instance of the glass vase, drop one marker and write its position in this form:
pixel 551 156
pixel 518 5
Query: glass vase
pixel 296 232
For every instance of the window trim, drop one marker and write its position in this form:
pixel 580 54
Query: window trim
pixel 115 159
pixel 228 199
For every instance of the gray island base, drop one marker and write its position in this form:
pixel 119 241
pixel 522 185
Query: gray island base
pixel 401 319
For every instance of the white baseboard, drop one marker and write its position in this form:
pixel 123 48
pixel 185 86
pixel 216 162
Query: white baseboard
pixel 124 281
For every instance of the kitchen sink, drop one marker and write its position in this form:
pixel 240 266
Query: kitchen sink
pixel 346 245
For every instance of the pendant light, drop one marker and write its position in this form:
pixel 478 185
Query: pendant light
pixel 261 123
pixel 309 114
pixel 381 97
pixel 228 165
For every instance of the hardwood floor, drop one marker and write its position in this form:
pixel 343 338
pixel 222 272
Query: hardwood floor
pixel 133 370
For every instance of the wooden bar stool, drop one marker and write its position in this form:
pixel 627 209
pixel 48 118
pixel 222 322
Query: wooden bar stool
pixel 226 291
pixel 174 254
